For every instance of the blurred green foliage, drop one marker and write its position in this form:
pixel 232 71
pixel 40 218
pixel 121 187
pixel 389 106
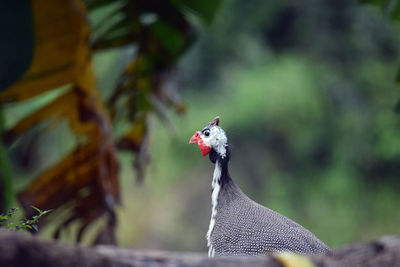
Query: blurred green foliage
pixel 306 94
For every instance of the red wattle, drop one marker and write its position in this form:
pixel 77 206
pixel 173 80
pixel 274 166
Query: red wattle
pixel 196 139
pixel 204 148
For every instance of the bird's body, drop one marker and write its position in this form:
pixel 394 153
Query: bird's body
pixel 238 225
pixel 244 227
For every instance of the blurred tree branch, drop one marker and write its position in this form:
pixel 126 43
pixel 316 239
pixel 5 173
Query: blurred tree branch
pixel 19 250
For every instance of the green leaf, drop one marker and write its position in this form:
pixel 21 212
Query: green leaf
pixel 16 48
pixel 35 227
pixel 7 192
pixel 37 209
pixel 171 38
pixel 45 212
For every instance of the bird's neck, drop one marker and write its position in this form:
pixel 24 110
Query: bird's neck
pixel 221 174
pixel 220 181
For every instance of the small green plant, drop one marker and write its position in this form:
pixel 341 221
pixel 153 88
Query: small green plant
pixel 24 224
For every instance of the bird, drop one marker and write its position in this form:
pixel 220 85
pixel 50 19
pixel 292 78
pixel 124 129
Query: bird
pixel 240 226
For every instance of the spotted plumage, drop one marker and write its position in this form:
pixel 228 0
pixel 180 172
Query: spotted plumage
pixel 238 225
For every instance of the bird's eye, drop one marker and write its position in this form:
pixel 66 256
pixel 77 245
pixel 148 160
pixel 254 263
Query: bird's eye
pixel 207 133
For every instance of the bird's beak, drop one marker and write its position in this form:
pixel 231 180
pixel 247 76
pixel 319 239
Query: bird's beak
pixel 195 138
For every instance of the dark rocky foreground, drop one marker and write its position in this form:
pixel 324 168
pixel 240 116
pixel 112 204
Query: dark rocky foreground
pixel 24 250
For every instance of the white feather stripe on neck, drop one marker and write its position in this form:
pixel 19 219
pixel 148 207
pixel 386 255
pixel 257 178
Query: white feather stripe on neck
pixel 214 201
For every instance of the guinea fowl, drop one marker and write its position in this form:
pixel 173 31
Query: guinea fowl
pixel 238 225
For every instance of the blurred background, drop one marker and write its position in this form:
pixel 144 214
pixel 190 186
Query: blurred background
pixel 305 91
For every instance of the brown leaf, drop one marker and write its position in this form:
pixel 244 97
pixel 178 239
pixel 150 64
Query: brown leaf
pixel 62 56
pixel 92 165
pixel 136 139
pixel 134 136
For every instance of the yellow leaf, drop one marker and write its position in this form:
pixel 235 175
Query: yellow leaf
pixel 289 259
pixel 61 52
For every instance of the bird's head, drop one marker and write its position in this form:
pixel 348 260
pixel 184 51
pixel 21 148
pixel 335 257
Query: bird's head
pixel 212 137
